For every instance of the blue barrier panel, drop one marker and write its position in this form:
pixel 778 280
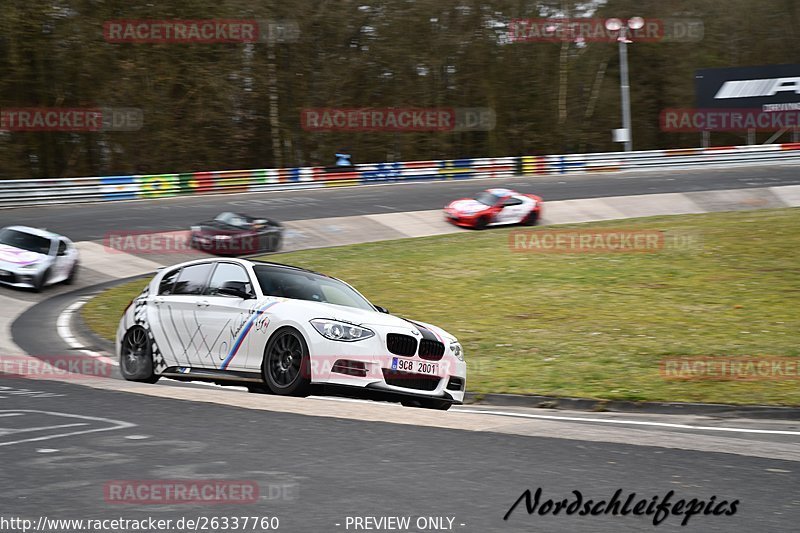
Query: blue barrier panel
pixel 119 187
pixel 380 172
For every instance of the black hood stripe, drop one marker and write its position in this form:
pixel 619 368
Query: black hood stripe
pixel 426 333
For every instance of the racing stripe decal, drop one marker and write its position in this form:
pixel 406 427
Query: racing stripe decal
pixel 245 330
pixel 426 333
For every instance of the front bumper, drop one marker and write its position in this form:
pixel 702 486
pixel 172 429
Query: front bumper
pixel 462 220
pixel 19 277
pixel 368 364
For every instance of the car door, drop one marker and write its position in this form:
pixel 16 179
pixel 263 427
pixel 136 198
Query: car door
pixel 513 210
pixel 179 315
pixel 227 320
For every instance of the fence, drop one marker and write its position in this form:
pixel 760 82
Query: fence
pixel 15 193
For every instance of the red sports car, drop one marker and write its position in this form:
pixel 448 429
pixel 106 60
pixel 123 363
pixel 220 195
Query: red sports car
pixel 494 207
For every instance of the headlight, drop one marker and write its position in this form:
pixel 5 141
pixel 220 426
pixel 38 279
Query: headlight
pixel 340 331
pixel 222 237
pixel 457 350
pixel 31 266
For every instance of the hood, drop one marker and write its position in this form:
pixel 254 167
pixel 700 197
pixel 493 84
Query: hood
pixel 364 318
pixel 18 256
pixel 361 317
pixel 214 226
pixel 439 332
pixel 468 206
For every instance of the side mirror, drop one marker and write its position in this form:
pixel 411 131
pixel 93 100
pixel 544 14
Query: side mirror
pixel 236 289
pixel 382 309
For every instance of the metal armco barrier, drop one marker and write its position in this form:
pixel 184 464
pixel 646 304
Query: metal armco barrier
pixel 14 193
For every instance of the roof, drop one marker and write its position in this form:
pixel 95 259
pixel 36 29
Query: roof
pixel 240 260
pixel 500 192
pixel 39 232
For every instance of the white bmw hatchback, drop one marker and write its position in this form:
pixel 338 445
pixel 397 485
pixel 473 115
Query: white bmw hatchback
pixel 282 329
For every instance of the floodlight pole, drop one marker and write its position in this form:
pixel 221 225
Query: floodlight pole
pixel 625 88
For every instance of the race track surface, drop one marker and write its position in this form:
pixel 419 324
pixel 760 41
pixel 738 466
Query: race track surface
pixel 91 221
pixel 322 462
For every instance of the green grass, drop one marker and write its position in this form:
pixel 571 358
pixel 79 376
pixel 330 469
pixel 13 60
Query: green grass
pixel 102 313
pixel 587 325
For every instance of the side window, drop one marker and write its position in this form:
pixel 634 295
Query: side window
pixel 227 272
pixel 62 248
pixel 192 279
pixel 167 282
pixel 512 201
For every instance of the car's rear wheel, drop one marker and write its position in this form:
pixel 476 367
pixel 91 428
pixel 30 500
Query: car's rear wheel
pixel 531 219
pixel 275 241
pixel 136 356
pixel 286 366
pixel 428 403
pixel 72 273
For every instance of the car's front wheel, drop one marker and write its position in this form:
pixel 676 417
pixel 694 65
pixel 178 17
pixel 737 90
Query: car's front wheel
pixel 41 281
pixel 286 366
pixel 136 356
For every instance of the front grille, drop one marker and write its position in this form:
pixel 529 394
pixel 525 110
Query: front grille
pixel 404 345
pixel 410 380
pixel 431 350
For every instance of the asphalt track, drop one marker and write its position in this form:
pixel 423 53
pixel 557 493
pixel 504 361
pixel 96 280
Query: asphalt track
pixel 92 221
pixel 318 461
pixel 315 471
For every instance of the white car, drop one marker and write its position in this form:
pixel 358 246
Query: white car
pixel 282 329
pixel 34 258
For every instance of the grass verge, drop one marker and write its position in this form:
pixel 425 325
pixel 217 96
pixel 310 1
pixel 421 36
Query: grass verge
pixel 593 325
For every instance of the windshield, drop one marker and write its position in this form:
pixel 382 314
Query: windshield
pixel 487 198
pixel 233 219
pixel 25 241
pixel 301 285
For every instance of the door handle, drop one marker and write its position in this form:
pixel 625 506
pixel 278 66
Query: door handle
pixel 202 303
pixel 157 301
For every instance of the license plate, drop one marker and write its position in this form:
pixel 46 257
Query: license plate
pixel 417 367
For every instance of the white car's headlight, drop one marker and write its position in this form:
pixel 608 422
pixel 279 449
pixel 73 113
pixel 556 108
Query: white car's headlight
pixel 340 331
pixel 31 266
pixel 457 350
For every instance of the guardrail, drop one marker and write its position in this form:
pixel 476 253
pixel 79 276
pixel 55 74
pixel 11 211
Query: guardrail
pixel 16 193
